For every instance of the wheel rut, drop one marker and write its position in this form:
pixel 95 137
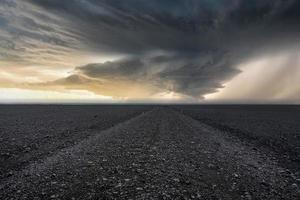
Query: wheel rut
pixel 161 154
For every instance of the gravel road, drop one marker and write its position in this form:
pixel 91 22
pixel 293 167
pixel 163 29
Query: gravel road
pixel 158 154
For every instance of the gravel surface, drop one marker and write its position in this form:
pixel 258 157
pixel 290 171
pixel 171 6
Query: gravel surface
pixel 275 127
pixel 158 154
pixel 29 133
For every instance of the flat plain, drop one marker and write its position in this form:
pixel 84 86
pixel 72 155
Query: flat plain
pixel 149 152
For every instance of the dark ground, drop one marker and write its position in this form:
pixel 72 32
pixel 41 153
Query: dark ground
pixel 149 152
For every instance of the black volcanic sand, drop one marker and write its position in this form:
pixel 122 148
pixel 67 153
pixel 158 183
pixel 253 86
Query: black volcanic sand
pixel 145 153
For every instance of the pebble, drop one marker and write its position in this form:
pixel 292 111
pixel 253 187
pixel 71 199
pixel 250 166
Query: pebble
pixel 176 180
pixel 264 183
pixel 211 166
pixel 294 186
pixel 248 196
pixel 119 185
pixel 10 173
pixel 5 154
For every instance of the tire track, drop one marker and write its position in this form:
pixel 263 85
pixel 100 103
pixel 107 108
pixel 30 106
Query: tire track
pixel 161 154
pixel 254 171
pixel 40 148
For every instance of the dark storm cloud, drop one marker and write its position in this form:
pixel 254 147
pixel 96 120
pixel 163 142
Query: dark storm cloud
pixel 129 68
pixel 185 75
pixel 188 46
pixel 136 26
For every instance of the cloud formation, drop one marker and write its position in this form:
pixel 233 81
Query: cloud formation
pixel 267 79
pixel 190 47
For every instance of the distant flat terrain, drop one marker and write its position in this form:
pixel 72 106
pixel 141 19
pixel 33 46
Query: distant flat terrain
pixel 149 152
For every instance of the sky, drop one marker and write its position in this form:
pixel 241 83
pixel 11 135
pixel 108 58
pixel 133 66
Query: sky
pixel 162 51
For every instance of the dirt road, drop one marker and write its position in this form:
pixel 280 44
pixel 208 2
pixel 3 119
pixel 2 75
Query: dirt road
pixel 159 154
